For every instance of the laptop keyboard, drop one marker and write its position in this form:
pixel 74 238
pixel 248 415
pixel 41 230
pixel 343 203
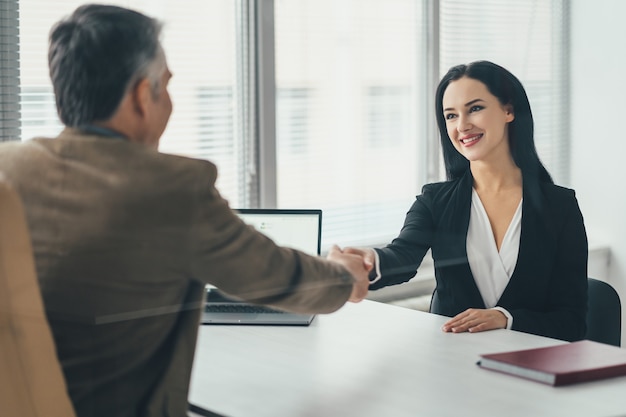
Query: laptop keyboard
pixel 238 308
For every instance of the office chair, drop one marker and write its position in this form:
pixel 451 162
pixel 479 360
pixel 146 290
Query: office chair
pixel 604 315
pixel 434 302
pixel 31 380
pixel 195 411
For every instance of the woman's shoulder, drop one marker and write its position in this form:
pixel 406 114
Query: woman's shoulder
pixel 437 186
pixel 449 187
pixel 557 193
pixel 440 194
pixel 554 201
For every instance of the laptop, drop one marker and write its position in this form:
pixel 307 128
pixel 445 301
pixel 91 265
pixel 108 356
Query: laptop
pixel 296 228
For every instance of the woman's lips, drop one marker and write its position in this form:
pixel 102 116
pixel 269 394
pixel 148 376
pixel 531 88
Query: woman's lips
pixel 470 140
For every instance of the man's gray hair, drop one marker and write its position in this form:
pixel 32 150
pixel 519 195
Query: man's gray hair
pixel 96 55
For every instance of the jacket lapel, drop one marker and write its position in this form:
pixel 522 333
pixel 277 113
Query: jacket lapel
pixel 534 247
pixel 450 249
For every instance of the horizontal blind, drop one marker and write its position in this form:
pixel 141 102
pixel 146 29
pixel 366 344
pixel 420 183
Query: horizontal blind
pixel 348 85
pixel 9 71
pixel 529 38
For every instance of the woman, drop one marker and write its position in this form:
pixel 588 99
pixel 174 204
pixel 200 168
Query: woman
pixel 509 246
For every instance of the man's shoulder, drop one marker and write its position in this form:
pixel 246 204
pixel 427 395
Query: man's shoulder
pixel 14 145
pixel 175 160
pixel 16 150
pixel 72 144
pixel 118 160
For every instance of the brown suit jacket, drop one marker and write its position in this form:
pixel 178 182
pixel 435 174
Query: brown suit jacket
pixel 125 238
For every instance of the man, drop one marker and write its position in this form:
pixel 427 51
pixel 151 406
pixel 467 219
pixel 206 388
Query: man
pixel 125 238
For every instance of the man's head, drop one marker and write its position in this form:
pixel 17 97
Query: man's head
pixel 108 68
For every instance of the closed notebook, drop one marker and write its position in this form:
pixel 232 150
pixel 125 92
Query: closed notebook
pixel 562 364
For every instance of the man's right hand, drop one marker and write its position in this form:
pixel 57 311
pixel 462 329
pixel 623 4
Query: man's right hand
pixel 367 254
pixel 358 266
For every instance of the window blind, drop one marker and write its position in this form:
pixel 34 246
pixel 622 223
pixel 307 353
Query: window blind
pixel 348 79
pixel 9 71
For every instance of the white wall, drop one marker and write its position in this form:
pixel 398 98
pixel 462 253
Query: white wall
pixel 598 128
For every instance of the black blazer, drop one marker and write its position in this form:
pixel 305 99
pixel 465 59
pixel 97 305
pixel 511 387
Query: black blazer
pixel 547 293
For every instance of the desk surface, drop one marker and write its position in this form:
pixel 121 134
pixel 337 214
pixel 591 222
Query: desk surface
pixel 372 359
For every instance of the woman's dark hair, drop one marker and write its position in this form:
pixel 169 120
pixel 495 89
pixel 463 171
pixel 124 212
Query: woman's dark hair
pixel 509 91
pixel 95 55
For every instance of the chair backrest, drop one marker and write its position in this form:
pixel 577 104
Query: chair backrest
pixel 604 315
pixel 434 302
pixel 31 380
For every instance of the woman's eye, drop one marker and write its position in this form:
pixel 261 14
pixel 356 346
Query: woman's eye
pixel 475 108
pixel 450 116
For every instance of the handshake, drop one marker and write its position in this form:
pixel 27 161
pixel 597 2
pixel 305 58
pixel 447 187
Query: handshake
pixel 359 262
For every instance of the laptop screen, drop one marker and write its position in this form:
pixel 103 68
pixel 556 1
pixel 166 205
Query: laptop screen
pixel 296 228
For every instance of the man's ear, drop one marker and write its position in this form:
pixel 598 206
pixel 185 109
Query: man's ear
pixel 142 97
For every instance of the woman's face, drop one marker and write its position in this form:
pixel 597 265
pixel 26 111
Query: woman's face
pixel 476 121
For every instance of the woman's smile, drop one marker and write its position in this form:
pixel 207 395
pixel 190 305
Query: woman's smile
pixel 470 140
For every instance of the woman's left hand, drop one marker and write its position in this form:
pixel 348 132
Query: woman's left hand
pixel 475 320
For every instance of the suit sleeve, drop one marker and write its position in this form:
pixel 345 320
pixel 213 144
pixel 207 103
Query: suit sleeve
pixel 565 317
pixel 246 264
pixel 400 259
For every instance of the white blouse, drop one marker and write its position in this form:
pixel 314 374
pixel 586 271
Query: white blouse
pixel 491 269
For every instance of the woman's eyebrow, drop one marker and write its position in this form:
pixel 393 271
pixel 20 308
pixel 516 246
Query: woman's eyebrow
pixel 469 103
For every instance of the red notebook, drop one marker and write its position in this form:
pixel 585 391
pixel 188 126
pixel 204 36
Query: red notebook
pixel 562 364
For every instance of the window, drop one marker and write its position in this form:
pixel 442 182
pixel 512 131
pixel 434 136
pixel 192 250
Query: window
pixel 352 90
pixel 202 53
pixel 363 59
pixel 214 140
pixel 388 117
pixel 39 113
pixel 293 127
pixel 9 71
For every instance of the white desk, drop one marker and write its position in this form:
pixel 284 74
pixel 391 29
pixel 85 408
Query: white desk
pixel 372 359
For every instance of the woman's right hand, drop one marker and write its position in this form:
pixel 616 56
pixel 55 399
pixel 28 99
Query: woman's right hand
pixel 367 254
